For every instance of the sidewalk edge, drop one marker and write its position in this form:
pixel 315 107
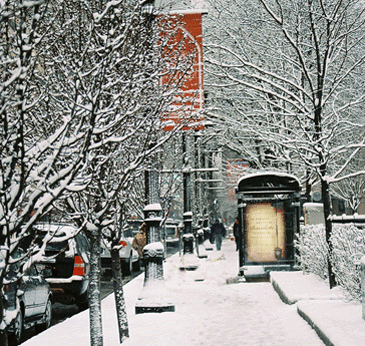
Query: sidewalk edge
pixel 319 331
pixel 281 293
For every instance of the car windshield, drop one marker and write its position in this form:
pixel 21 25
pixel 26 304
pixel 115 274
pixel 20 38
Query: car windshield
pixel 59 238
pixel 57 246
pixel 170 230
pixel 133 228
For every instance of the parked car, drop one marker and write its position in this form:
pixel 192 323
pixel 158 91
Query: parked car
pixel 27 302
pixel 134 225
pixel 68 263
pixel 129 258
pixel 171 232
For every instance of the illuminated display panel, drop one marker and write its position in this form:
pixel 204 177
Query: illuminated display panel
pixel 265 231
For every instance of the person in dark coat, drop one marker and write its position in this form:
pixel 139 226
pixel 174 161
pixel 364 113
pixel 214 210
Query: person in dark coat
pixel 218 232
pixel 236 233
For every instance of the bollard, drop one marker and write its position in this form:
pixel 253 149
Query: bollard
pixel 200 236
pixel 200 241
pixel 189 260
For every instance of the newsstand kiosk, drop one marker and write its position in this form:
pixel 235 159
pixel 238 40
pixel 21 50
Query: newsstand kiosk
pixel 268 215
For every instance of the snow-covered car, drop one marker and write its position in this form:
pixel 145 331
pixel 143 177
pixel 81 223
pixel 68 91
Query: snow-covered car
pixel 129 258
pixel 27 302
pixel 67 263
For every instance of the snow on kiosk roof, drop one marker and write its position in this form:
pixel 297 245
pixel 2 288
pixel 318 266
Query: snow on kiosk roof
pixel 268 183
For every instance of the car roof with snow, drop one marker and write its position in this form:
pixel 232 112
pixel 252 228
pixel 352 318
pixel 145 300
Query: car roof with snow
pixel 58 230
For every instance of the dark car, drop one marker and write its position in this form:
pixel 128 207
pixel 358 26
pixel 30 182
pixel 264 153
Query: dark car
pixel 27 302
pixel 68 263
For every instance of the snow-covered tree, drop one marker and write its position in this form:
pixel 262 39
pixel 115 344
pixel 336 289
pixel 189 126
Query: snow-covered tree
pixel 81 104
pixel 48 114
pixel 45 131
pixel 129 59
pixel 288 78
pixel 352 189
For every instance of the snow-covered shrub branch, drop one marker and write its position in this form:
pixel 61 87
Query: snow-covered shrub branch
pixel 348 243
pixel 313 250
pixel 348 248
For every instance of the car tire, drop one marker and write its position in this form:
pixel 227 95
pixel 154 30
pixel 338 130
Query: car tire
pixel 127 266
pixel 16 338
pixel 47 317
pixel 136 266
pixel 83 302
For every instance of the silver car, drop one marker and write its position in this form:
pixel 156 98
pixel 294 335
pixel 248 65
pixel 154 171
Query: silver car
pixel 129 258
pixel 27 301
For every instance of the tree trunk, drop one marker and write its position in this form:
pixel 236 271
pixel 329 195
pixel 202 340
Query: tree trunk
pixel 3 338
pixel 3 333
pixel 328 224
pixel 308 186
pixel 119 296
pixel 96 332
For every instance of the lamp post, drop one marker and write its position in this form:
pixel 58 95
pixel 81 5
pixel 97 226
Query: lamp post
pixel 154 296
pixel 188 260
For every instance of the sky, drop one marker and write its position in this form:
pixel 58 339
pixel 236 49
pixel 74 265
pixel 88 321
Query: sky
pixel 210 312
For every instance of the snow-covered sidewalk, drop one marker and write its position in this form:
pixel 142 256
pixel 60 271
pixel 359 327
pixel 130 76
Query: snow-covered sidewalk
pixel 208 311
pixel 336 320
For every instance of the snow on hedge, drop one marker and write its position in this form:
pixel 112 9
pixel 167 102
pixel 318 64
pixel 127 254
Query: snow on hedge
pixel 348 248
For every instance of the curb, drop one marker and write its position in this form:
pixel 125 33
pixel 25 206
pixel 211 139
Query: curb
pixel 281 293
pixel 319 332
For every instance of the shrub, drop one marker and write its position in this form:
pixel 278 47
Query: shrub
pixel 313 250
pixel 348 247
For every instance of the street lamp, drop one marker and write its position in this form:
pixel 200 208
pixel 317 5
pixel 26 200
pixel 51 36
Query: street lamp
pixel 154 296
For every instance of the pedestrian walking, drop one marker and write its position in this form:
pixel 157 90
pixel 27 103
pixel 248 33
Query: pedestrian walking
pixel 218 232
pixel 236 233
pixel 139 241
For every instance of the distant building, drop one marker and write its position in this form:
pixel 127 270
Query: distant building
pixel 189 103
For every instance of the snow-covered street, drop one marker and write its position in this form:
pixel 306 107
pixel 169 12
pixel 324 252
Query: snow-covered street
pixel 208 312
